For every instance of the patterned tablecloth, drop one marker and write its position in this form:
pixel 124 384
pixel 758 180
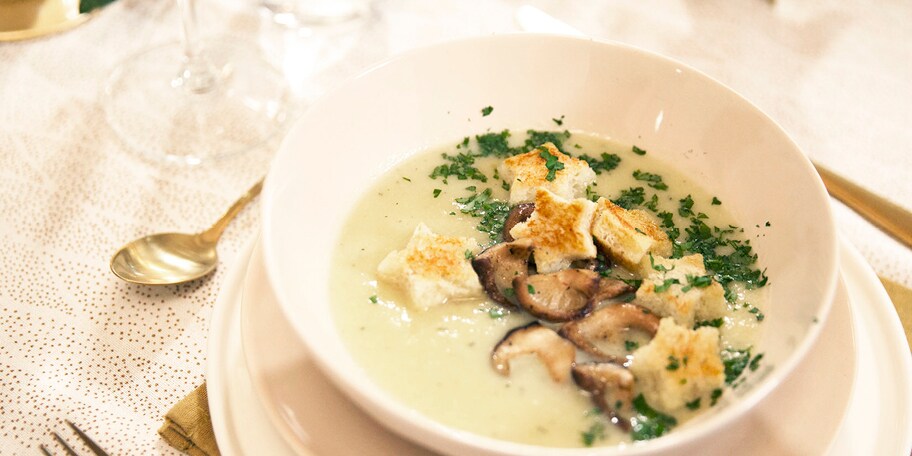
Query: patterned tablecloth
pixel 77 343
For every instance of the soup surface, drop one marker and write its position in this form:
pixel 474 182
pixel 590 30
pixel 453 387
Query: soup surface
pixel 438 360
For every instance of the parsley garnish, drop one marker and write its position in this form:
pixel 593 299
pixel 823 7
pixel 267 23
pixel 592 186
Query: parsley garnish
pixel 649 423
pixel 686 206
pixel 437 192
pixel 495 144
pixel 552 163
pixel 638 151
pixel 666 285
pixel 673 363
pixel 559 121
pixel 595 432
pixel 715 323
pixel 486 111
pixel 537 138
pixel 716 394
pixel 530 288
pixel 630 197
pixel 469 255
pixel 461 166
pixel 631 345
pixel 373 299
pixel 697 282
pixel 755 363
pixel 694 404
pixel 493 213
pixel 715 201
pixel 591 194
pixel 735 361
pixel 653 180
pixel 606 163
pixel 496 312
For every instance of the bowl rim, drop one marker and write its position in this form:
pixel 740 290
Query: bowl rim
pixel 384 406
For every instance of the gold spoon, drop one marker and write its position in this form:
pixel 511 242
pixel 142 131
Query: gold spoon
pixel 171 258
pixel 889 217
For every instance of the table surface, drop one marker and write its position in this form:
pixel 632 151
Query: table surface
pixel 77 343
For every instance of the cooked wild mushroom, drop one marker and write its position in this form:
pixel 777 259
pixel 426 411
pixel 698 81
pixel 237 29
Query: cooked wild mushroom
pixel 611 387
pixel 612 332
pixel 558 296
pixel 518 213
pixel 555 352
pixel 499 265
pixel 610 288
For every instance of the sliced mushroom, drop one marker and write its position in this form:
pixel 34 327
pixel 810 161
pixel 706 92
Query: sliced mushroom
pixel 555 352
pixel 518 213
pixel 499 265
pixel 558 296
pixel 611 387
pixel 612 332
pixel 610 288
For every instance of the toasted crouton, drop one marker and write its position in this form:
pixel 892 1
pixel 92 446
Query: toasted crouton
pixel 528 171
pixel 433 268
pixel 629 236
pixel 679 366
pixel 559 229
pixel 679 288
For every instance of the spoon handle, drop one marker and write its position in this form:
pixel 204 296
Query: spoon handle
pixel 889 217
pixel 215 231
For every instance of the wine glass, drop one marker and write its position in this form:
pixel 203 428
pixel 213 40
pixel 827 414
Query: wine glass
pixel 193 101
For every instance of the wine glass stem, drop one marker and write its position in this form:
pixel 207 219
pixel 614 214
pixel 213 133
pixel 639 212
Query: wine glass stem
pixel 197 74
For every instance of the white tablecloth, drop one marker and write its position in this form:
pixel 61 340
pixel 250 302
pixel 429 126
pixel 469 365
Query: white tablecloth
pixel 77 343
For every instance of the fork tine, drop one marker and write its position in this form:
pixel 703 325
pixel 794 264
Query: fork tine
pixel 44 450
pixel 66 447
pixel 88 441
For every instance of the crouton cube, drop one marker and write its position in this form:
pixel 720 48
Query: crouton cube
pixel 680 288
pixel 529 171
pixel 559 230
pixel 679 366
pixel 432 268
pixel 629 236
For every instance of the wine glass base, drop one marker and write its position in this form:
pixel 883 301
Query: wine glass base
pixel 156 113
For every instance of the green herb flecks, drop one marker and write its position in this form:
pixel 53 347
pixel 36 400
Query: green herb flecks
pixel 638 151
pixel 495 144
pixel 537 138
pixel 486 111
pixel 559 121
pixel 673 363
pixel 493 213
pixel 649 423
pixel 437 192
pixel 606 163
pixel 461 166
pixel 530 289
pixel 666 284
pixel 596 432
pixel 631 197
pixel 653 180
pixel 591 194
pixel 716 394
pixel 631 345
pixel 694 404
pixel 715 201
pixel 497 313
pixel 685 209
pixel 735 362
pixel 755 362
pixel 697 282
pixel 714 323
pixel 373 299
pixel 552 163
pixel 729 260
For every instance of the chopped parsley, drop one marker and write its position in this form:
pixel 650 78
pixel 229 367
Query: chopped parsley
pixel 631 197
pixel 595 432
pixel 755 363
pixel 631 345
pixel 497 312
pixel 666 285
pixel 649 423
pixel 686 206
pixel 716 394
pixel 730 260
pixel 495 144
pixel 373 299
pixel 437 192
pixel 638 151
pixel 653 180
pixel 530 288
pixel 668 225
pixel 697 282
pixel 694 404
pixel 735 361
pixel 715 323
pixel 606 163
pixel 552 163
pixel 591 194
pixel 652 204
pixel 715 201
pixel 493 213
pixel 559 121
pixel 461 166
pixel 537 138
pixel 673 363
pixel 406 179
pixel 486 111
pixel 658 267
pixel 469 255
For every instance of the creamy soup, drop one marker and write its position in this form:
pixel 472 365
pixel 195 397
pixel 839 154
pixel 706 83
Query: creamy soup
pixel 438 361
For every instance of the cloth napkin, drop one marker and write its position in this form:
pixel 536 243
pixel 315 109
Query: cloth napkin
pixel 188 426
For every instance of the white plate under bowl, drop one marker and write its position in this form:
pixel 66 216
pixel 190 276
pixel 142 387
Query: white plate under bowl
pixel 275 401
pixel 433 96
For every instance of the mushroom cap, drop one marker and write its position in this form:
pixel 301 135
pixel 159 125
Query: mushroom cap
pixel 611 388
pixel 558 296
pixel 498 265
pixel 519 213
pixel 555 352
pixel 605 332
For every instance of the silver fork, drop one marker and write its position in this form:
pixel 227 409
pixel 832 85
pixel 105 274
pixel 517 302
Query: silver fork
pixel 96 449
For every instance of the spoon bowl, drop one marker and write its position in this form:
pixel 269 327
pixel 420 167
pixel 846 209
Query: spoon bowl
pixel 172 258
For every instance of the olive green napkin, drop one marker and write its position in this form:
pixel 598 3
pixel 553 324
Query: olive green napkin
pixel 188 426
pixel 902 301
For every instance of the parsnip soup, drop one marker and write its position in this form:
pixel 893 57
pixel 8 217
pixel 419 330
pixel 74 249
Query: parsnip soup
pixel 630 303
